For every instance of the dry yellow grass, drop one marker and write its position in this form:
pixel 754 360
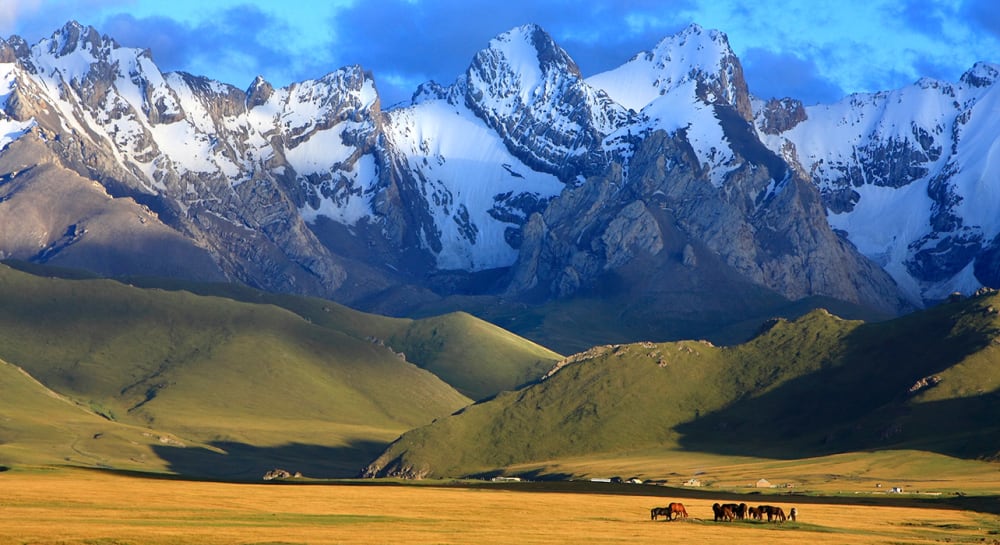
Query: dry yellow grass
pixel 87 508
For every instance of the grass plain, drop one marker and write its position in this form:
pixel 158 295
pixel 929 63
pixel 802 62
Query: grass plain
pixel 74 507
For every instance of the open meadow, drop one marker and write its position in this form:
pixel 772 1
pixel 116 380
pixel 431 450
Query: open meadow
pixel 71 507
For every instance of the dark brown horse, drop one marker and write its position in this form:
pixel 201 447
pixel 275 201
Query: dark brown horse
pixel 754 513
pixel 659 511
pixel 792 514
pixel 778 514
pixel 741 511
pixel 724 512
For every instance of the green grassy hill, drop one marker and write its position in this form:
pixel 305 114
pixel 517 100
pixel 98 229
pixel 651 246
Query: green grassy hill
pixel 256 382
pixel 475 357
pixel 44 427
pixel 814 386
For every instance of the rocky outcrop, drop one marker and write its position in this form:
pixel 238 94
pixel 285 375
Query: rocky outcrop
pixel 541 107
pixel 771 230
pixel 781 115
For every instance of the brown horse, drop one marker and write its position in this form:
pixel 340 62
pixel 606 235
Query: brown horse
pixel 754 513
pixel 724 512
pixel 741 511
pixel 792 514
pixel 732 507
pixel 677 508
pixel 778 513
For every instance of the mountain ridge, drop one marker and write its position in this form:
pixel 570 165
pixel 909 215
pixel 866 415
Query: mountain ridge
pixel 313 188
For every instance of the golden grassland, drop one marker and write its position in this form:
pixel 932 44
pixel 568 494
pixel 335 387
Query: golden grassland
pixel 73 507
pixel 862 472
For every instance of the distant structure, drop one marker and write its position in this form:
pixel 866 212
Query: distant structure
pixel 692 482
pixel 764 483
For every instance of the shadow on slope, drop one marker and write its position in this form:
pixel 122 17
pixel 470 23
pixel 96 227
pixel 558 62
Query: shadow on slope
pixel 900 384
pixel 241 461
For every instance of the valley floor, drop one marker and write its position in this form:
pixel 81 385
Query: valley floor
pixel 73 507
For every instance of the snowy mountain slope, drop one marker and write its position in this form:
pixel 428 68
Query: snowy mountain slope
pixel 907 176
pixel 479 193
pixel 522 163
pixel 528 90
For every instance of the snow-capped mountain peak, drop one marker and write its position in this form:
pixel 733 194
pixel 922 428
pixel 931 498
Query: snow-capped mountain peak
pixel 693 56
pixel 982 74
pixel 452 181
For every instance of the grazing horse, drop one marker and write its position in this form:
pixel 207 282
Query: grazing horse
pixel 792 514
pixel 779 514
pixel 659 511
pixel 677 508
pixel 723 512
pixel 741 511
pixel 765 510
pixel 732 507
pixel 754 513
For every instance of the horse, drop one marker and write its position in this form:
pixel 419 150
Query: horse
pixel 732 507
pixel 677 508
pixel 792 514
pixel 723 512
pixel 778 513
pixel 765 510
pixel 754 513
pixel 741 511
pixel 659 511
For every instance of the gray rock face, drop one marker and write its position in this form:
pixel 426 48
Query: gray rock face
pixel 781 115
pixel 771 231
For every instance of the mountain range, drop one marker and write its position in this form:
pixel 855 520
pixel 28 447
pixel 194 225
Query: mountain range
pixel 663 185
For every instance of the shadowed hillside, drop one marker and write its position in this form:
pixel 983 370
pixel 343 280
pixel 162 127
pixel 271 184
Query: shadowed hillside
pixel 817 385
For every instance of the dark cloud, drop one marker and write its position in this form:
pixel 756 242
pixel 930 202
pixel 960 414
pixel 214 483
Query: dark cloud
pixel 438 39
pixel 983 14
pixel 772 74
pixel 233 46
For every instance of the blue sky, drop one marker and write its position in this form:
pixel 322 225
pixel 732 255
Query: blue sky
pixel 814 51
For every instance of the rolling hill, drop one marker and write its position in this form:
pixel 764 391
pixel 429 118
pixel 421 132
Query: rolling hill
pixel 255 384
pixel 810 387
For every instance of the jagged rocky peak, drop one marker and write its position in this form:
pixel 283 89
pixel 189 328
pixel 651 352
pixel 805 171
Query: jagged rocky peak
pixel 982 74
pixel 349 89
pixel 528 90
pixel 14 49
pixel 75 37
pixel 778 115
pixel 524 50
pixel 692 56
pixel 259 92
